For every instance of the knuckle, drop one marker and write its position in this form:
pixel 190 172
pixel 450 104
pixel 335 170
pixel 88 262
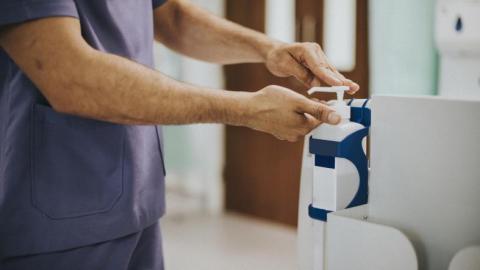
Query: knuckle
pixel 299 45
pixel 287 136
pixel 278 136
pixel 318 112
pixel 323 65
pixel 305 77
pixel 323 114
pixel 292 139
pixel 268 90
pixel 314 45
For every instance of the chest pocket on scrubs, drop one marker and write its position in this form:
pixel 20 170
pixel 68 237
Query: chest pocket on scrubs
pixel 77 164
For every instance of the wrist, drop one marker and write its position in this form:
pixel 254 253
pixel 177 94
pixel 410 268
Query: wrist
pixel 238 109
pixel 269 46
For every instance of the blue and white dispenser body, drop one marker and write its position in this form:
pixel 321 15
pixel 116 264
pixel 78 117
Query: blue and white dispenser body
pixel 334 175
pixel 424 180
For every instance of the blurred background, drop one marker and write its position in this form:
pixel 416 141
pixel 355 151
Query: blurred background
pixel 232 193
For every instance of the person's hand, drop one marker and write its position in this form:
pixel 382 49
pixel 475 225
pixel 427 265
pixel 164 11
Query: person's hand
pixel 307 62
pixel 286 114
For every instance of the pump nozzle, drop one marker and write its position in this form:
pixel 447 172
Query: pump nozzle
pixel 339 105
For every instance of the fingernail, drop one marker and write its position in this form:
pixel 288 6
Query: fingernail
pixel 333 118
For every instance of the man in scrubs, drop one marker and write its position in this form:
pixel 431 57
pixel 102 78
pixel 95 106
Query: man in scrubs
pixel 81 165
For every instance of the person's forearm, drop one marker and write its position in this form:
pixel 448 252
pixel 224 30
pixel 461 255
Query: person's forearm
pixel 190 30
pixel 77 79
pixel 118 90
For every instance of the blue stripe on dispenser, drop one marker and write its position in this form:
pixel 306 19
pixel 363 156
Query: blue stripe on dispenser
pixel 361 115
pixel 325 161
pixel 351 149
pixel 318 213
pixel 356 114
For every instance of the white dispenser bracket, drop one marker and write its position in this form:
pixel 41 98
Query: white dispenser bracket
pixel 350 148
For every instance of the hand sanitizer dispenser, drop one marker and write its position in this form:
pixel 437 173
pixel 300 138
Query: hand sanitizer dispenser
pixel 334 176
pixel 335 179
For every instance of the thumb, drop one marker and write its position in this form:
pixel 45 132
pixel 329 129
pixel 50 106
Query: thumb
pixel 320 111
pixel 311 121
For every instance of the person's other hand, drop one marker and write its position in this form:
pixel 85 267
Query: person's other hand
pixel 307 62
pixel 286 114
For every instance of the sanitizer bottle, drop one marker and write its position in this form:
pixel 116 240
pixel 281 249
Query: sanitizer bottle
pixel 334 172
pixel 335 180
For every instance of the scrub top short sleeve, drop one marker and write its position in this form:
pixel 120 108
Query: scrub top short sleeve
pixel 15 11
pixel 157 3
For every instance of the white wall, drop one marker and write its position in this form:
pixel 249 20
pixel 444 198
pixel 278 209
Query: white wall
pixel 403 58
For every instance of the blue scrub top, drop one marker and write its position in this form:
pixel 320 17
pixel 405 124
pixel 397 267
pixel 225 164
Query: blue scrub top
pixel 67 181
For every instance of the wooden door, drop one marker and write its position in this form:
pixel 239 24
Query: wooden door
pixel 262 174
